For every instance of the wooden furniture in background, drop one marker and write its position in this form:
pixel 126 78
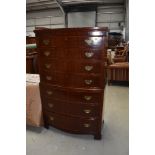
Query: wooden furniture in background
pixel 31 58
pixel 71 68
pixel 29 64
pixel 118 72
pixel 121 54
pixel 32 63
pixel 30 40
pixel 118 68
pixel 114 39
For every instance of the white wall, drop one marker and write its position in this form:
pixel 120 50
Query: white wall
pixel 81 19
pixel 127 21
pixel 111 16
pixel 106 17
pixel 50 19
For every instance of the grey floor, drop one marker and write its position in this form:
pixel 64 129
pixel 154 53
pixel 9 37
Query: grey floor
pixel 115 133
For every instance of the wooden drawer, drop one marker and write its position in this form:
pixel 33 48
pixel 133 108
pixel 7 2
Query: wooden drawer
pixel 71 108
pixel 90 41
pixel 85 53
pixel 71 53
pixel 73 124
pixel 63 41
pixel 85 81
pixel 72 80
pixel 53 53
pixel 71 66
pixel 70 94
pixel 71 41
pixel 54 78
pixel 52 41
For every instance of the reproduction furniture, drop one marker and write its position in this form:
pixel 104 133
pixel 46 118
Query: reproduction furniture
pixel 118 69
pixel 31 59
pixel 114 39
pixel 29 64
pixel 30 40
pixel 121 54
pixel 72 78
pixel 118 72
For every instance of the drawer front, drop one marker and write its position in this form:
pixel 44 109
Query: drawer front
pixel 71 66
pixel 58 41
pixel 55 78
pixel 54 41
pixel 70 108
pixel 74 124
pixel 85 53
pixel 91 41
pixel 71 53
pixel 72 80
pixel 68 95
pixel 71 41
pixel 85 41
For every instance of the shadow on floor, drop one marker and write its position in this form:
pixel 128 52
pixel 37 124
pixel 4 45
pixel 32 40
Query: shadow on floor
pixel 118 83
pixel 35 129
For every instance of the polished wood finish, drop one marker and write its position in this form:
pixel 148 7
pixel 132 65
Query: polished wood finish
pixel 118 72
pixel 32 63
pixel 30 40
pixel 71 67
pixel 114 39
pixel 29 64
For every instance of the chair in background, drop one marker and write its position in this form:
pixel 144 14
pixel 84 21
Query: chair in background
pixel 121 54
pixel 118 71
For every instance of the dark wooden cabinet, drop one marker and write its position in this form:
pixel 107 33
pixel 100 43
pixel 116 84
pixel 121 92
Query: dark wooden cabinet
pixel 31 56
pixel 71 68
pixel 30 40
pixel 114 39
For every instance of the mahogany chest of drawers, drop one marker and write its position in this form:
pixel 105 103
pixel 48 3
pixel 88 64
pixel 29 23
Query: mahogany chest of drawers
pixel 71 68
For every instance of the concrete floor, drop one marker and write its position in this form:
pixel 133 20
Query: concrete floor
pixel 115 133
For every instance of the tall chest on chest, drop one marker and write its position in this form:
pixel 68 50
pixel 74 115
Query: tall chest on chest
pixel 71 67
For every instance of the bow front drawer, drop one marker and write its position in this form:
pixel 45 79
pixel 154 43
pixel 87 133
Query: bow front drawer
pixel 70 94
pixel 71 108
pixel 74 124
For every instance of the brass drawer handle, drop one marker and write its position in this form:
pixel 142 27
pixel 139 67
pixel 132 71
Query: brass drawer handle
pixel 48 66
pixel 93 40
pixel 87 111
pixel 89 41
pixel 48 77
pixel 86 125
pixel 92 118
pixel 47 53
pixel 88 98
pixel 88 68
pixel 51 118
pixel 49 92
pixel 89 54
pixel 88 82
pixel 50 105
pixel 46 42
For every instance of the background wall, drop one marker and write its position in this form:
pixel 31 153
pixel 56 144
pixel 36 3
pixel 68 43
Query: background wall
pixel 81 19
pixel 112 17
pixel 127 21
pixel 107 16
pixel 50 19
